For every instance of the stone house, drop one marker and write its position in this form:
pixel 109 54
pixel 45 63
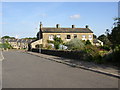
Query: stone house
pixel 66 34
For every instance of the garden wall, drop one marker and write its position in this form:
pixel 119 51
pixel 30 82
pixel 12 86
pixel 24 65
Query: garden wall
pixel 78 55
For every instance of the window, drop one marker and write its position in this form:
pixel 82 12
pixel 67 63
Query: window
pixel 68 36
pixel 75 36
pixel 90 37
pixel 83 37
pixel 58 35
pixel 51 37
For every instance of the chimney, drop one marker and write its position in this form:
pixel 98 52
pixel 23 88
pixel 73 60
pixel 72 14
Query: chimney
pixel 73 26
pixel 40 25
pixel 86 26
pixel 57 25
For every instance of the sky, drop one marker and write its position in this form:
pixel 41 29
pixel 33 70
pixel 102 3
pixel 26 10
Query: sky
pixel 22 19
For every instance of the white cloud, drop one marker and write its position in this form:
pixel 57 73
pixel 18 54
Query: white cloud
pixel 76 16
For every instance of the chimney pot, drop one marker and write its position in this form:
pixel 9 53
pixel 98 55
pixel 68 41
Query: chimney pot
pixel 40 25
pixel 57 25
pixel 73 26
pixel 86 26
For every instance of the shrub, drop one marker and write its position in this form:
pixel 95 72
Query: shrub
pixel 112 58
pixel 48 46
pixel 94 53
pixel 75 44
pixel 87 42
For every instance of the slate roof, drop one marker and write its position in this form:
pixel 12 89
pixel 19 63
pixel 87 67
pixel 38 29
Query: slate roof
pixel 12 40
pixel 66 30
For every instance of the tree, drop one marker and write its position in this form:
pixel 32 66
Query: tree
pixel 94 36
pixel 8 37
pixel 56 41
pixel 114 37
pixel 30 38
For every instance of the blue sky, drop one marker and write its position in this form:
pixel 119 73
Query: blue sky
pixel 21 19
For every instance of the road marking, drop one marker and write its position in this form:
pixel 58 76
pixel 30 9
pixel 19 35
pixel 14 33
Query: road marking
pixel 1 56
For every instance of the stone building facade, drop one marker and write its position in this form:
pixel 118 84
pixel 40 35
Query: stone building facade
pixel 66 34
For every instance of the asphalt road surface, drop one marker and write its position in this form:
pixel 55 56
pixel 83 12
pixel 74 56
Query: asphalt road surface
pixel 22 70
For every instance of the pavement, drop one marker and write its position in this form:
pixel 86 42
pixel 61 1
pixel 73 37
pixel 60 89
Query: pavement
pixel 23 70
pixel 99 68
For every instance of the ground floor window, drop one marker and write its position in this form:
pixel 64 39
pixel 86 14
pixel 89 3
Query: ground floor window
pixel 75 36
pixel 51 37
pixel 68 37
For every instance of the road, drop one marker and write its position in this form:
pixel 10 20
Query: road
pixel 22 70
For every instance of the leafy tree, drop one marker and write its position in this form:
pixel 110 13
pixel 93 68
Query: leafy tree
pixel 94 36
pixel 8 37
pixel 30 38
pixel 114 37
pixel 56 41
pixel 75 44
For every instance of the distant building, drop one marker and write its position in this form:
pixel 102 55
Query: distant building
pixel 17 43
pixel 66 34
pixel 97 42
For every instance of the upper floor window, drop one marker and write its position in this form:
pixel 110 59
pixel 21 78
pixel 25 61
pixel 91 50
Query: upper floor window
pixel 51 37
pixel 83 36
pixel 68 37
pixel 75 36
pixel 90 36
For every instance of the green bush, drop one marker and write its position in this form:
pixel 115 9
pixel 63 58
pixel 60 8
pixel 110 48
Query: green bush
pixel 48 47
pixel 94 53
pixel 87 42
pixel 5 46
pixel 75 44
pixel 112 58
